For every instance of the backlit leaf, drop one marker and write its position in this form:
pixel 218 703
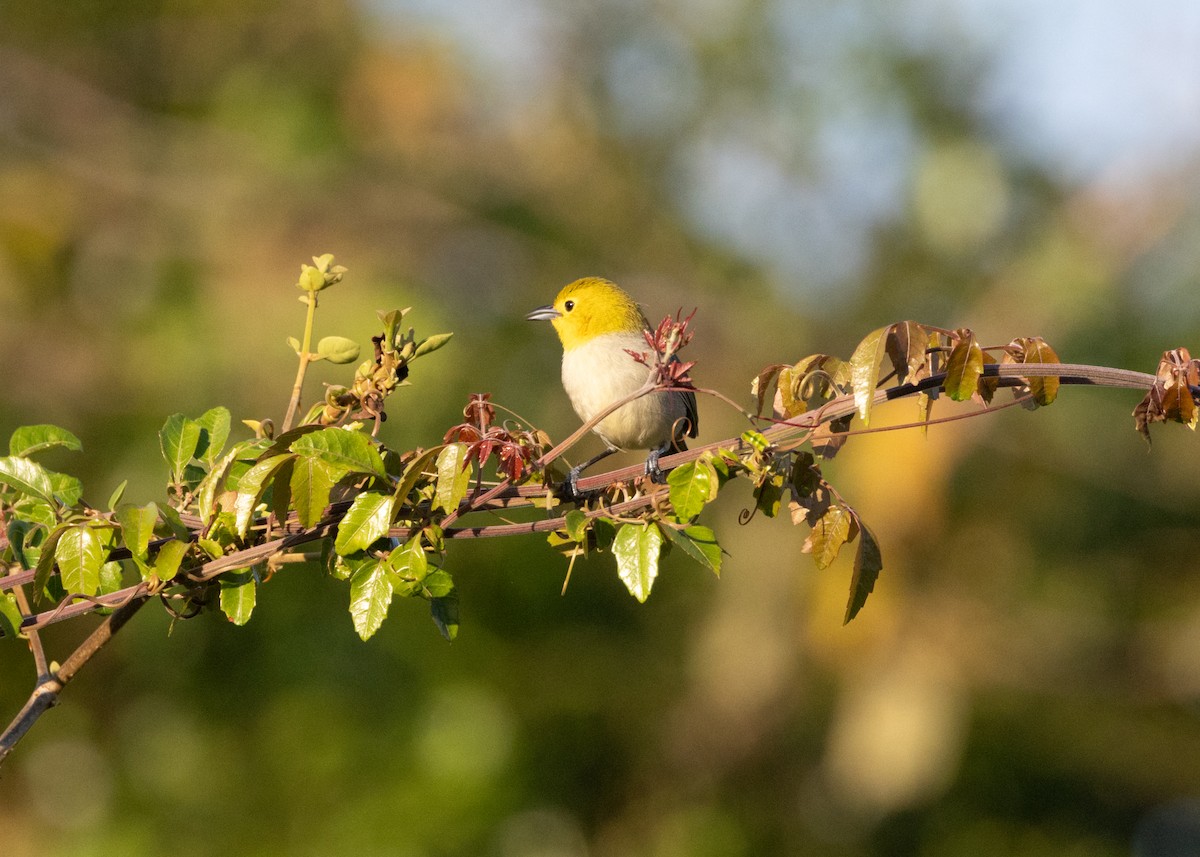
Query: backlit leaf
pixel 79 555
pixel 168 559
pixel 27 477
pixel 437 584
pixel 27 440
pixel 453 477
pixel 214 424
pixel 239 591
pixel 342 448
pixel 829 534
pixel 692 485
pixel 137 525
pixel 68 489
pixel 409 562
pixel 178 440
pixel 431 344
pixel 337 349
pixel 699 543
pixel 576 524
pixel 964 367
pixel 10 615
pixel 312 480
pixel 413 473
pixel 365 522
pixel 252 485
pixel 637 548
pixel 864 370
pixel 370 597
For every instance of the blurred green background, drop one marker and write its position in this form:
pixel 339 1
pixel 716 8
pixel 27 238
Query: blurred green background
pixel 1026 678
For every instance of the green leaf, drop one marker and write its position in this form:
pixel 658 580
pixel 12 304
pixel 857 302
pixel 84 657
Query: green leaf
pixel 414 472
pixel 692 485
pixel 238 594
pixel 213 485
pixel 337 349
pixel 312 479
pixel 964 367
pixel 252 486
pixel 10 615
pixel 637 548
pixel 137 526
pixel 111 577
pixel 829 533
pixel 453 477
pixel 444 612
pixel 576 524
pixel 115 498
pixel 437 584
pixel 35 511
pixel 45 563
pixel 215 432
pixel 27 477
pixel 868 562
pixel 349 450
pixel 864 370
pixel 68 489
pixel 80 554
pixel 27 440
pixel 409 562
pixel 431 344
pixel 370 597
pixel 281 491
pixel 178 439
pixel 700 543
pixel 170 555
pixel 769 494
pixel 755 440
pixel 365 522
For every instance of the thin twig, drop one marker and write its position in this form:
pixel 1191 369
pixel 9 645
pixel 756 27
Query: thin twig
pixel 35 641
pixel 45 694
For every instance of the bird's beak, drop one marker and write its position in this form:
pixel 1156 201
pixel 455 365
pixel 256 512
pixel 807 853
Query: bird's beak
pixel 543 313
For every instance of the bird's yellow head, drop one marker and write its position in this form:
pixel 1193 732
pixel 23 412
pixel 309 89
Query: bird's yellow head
pixel 589 308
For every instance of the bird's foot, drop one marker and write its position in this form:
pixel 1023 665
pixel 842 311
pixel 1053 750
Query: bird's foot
pixel 568 491
pixel 652 469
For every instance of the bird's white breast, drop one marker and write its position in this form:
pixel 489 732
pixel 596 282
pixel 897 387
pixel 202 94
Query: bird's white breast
pixel 601 372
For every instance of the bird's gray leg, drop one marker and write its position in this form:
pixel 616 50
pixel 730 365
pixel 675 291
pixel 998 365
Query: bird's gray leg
pixel 652 469
pixel 570 488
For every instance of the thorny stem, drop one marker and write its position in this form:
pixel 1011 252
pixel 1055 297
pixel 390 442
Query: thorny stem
pixel 305 347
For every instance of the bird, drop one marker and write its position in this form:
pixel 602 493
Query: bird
pixel 598 324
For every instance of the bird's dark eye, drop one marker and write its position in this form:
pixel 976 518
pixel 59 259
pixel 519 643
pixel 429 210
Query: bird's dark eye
pixel 569 305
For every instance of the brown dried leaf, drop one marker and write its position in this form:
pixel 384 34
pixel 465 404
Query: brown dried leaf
pixel 987 384
pixel 906 344
pixel 762 383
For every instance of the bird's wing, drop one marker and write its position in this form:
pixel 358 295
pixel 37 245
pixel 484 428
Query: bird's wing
pixel 693 413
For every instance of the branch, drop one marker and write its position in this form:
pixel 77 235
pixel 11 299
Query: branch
pixel 45 694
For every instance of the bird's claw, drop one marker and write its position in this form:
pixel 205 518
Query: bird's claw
pixel 568 491
pixel 653 470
